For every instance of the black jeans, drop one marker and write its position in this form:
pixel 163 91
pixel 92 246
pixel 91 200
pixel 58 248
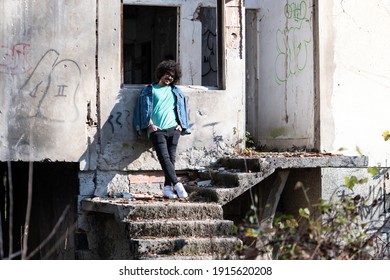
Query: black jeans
pixel 165 144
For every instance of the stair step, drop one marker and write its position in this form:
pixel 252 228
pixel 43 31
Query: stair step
pixel 136 210
pixel 168 229
pixel 245 164
pixel 225 186
pixel 194 211
pixel 173 228
pixel 216 246
pixel 191 257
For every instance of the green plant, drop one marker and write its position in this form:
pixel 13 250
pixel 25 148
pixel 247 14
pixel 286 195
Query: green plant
pixel 331 229
pixel 249 140
pixel 339 233
pixel 386 135
pixel 336 228
pixel 252 215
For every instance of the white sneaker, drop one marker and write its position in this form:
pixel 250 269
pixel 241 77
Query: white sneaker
pixel 168 192
pixel 181 192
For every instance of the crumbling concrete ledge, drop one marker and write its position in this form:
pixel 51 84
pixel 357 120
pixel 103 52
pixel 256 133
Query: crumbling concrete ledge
pixel 280 161
pixel 242 173
pixel 153 210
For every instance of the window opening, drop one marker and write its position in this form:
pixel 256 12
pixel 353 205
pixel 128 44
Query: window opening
pixel 208 18
pixel 149 36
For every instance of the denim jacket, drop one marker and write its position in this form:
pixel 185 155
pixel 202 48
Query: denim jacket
pixel 144 108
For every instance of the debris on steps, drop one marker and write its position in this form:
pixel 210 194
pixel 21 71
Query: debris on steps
pixel 147 226
pixel 232 176
pixel 165 228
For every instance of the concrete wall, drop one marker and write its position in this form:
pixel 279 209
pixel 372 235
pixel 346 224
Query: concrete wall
pixel 373 196
pixel 344 107
pixel 354 77
pixel 280 74
pixel 354 82
pixel 353 86
pixel 46 78
pixel 213 114
pixel 63 98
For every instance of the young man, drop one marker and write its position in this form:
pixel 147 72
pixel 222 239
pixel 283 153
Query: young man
pixel 161 110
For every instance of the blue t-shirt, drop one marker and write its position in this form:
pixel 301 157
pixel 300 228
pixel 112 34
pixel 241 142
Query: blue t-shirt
pixel 164 103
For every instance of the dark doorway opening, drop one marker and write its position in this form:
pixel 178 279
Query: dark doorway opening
pixel 55 187
pixel 149 36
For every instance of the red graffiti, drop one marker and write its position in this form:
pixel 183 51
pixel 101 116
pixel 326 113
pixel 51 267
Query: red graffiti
pixel 15 60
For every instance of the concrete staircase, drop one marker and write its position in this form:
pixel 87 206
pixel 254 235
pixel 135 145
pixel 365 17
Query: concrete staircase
pixel 239 174
pixel 193 229
pixel 169 229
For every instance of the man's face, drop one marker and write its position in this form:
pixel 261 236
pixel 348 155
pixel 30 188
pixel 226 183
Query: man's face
pixel 167 78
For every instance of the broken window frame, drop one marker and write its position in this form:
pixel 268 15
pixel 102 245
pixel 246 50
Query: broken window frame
pixel 220 82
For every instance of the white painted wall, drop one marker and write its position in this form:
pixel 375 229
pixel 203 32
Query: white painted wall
pixel 213 113
pixel 52 49
pixel 283 111
pixel 354 97
pixel 46 78
pixel 355 77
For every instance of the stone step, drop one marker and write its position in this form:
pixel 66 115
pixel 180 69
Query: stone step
pixel 141 210
pixel 224 186
pixel 192 257
pixel 166 229
pixel 177 210
pixel 218 247
pixel 244 164
pixel 177 228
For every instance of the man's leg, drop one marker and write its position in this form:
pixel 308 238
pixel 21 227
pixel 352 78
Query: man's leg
pixel 160 144
pixel 172 141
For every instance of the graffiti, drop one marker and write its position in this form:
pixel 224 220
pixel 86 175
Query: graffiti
pixel 209 53
pixel 207 16
pixel 50 90
pixel 371 205
pixel 292 42
pixel 119 114
pixel 61 90
pixel 296 11
pixel 15 60
pixel 120 119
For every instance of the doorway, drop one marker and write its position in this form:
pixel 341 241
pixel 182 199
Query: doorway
pixel 52 218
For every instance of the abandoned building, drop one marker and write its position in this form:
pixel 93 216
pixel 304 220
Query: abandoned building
pixel 88 187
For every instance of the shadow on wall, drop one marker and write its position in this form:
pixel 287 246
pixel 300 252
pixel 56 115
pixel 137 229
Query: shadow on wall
pixel 116 149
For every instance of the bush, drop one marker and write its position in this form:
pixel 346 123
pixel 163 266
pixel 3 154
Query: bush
pixel 331 229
